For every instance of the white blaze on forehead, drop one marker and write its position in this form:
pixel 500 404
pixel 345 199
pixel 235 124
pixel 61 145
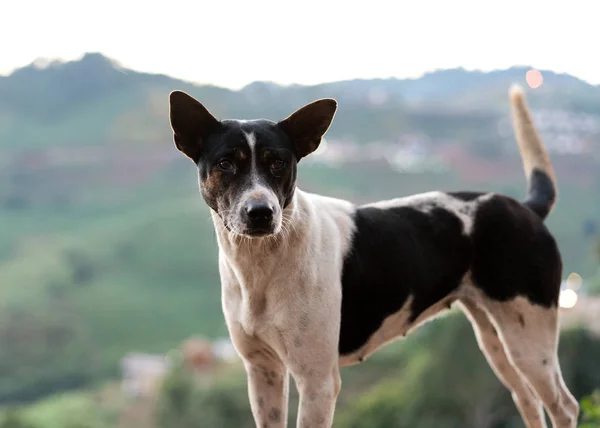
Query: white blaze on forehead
pixel 257 185
pixel 251 140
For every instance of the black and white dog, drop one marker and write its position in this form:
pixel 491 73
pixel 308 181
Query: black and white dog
pixel 312 283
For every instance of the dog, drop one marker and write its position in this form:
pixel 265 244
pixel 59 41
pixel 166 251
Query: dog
pixel 312 283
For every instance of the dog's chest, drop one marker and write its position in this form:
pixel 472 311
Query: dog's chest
pixel 259 300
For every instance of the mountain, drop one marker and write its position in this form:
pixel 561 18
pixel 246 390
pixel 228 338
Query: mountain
pixel 94 100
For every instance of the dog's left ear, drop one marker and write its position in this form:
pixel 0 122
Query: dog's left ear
pixel 306 126
pixel 191 122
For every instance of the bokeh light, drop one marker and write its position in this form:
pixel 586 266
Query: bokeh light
pixel 534 78
pixel 574 281
pixel 567 299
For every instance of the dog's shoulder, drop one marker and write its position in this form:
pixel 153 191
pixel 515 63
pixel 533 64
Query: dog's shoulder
pixel 332 222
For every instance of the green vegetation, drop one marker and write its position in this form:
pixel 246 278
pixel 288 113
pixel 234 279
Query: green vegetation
pixel 436 378
pixel 590 407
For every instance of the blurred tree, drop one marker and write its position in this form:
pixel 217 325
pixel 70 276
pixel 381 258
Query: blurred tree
pixel 12 419
pixel 175 397
pixel 590 409
pixel 81 267
pixel 183 403
pixel 42 352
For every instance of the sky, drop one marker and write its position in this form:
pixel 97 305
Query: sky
pixel 232 43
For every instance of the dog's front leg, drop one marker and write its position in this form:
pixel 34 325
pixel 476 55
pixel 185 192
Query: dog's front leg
pixel 318 391
pixel 268 391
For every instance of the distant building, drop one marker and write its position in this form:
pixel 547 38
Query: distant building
pixel 141 373
pixel 224 350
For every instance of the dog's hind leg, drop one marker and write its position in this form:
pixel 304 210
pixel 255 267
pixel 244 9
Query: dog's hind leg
pixel 529 405
pixel 529 333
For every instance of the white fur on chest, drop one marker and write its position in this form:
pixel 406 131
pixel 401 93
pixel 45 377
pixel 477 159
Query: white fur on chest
pixel 260 295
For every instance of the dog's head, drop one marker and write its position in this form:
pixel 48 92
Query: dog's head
pixel 247 169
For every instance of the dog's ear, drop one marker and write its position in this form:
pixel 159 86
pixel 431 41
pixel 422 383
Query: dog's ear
pixel 191 122
pixel 306 126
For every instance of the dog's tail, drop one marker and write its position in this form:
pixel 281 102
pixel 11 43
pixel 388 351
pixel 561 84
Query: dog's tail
pixel 542 190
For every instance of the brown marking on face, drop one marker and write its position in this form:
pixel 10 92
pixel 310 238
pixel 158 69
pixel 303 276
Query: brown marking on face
pixel 297 342
pixel 212 187
pixel 521 320
pixel 240 155
pixel 261 402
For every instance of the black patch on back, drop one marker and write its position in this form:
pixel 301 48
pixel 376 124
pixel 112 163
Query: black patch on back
pixel 398 252
pixel 401 252
pixel 542 193
pixel 514 254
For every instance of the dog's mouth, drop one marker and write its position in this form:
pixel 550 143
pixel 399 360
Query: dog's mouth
pixel 249 230
pixel 258 230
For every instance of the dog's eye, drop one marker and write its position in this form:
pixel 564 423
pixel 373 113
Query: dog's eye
pixel 226 164
pixel 277 164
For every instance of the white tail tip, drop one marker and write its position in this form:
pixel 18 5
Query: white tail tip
pixel 516 92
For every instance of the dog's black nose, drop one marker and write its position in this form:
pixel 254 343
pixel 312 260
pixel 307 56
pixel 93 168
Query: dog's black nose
pixel 259 211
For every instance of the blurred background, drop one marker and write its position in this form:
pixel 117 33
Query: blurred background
pixel 110 311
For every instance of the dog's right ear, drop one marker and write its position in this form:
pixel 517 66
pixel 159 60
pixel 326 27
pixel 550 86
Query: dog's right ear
pixel 191 122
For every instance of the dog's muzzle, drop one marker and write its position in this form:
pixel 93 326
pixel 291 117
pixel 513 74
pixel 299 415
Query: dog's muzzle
pixel 258 218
